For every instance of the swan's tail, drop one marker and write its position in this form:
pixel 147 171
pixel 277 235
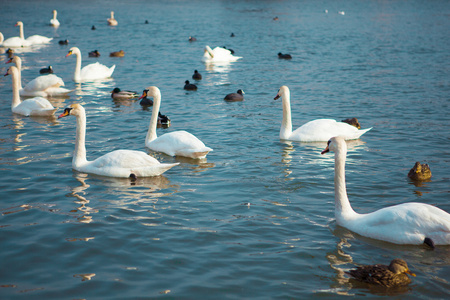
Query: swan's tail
pixel 359 133
pixel 195 153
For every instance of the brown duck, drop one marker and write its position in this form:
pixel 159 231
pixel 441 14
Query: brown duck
pixel 393 275
pixel 120 53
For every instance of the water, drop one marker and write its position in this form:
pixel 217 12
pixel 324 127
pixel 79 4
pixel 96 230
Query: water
pixel 190 233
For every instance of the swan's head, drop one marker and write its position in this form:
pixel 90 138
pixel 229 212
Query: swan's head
pixel 19 24
pixel 73 50
pixel 399 266
pixel 336 144
pixel 283 91
pixel 209 51
pixel 151 91
pixel 12 70
pixel 72 110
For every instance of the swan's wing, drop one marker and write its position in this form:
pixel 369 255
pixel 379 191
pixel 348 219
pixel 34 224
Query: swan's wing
pixel 180 143
pixel 122 163
pixel 15 42
pixel 324 129
pixel 96 71
pixel 35 106
pixel 58 91
pixel 44 82
pixel 38 39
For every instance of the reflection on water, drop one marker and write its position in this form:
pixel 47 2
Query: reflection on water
pixel 94 88
pixel 84 277
pixel 197 165
pixel 83 209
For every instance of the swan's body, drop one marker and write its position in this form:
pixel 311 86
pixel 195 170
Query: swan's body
pixel 175 143
pixel 37 106
pixel 408 223
pixel 119 163
pixel 54 22
pixel 42 86
pixel 89 72
pixel 34 39
pixel 320 130
pixel 112 21
pixel 218 54
pixel 17 41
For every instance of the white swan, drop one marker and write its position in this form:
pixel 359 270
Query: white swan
pixel 175 143
pixel 407 223
pixel 118 163
pixel 112 21
pixel 89 72
pixel 54 22
pixel 320 130
pixel 16 41
pixel 218 54
pixel 37 106
pixel 34 39
pixel 42 86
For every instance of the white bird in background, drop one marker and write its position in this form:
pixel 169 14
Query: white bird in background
pixel 112 21
pixel 90 72
pixel 408 223
pixel 17 41
pixel 118 163
pixel 175 143
pixel 38 106
pixel 320 130
pixel 218 54
pixel 34 39
pixel 54 22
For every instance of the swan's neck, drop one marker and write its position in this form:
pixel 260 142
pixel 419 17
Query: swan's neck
pixel 112 15
pixel 15 87
pixel 151 134
pixel 21 35
pixel 286 125
pixel 77 74
pixel 19 74
pixel 343 209
pixel 54 14
pixel 79 154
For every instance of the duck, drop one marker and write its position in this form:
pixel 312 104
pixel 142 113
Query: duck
pixel 64 42
pixel 189 86
pixel 163 120
pixel 94 53
pixel 409 223
pixel 197 75
pixel 394 275
pixel 93 27
pixel 37 106
pixel 218 54
pixel 112 21
pixel 192 39
pixel 90 72
pixel 117 93
pixel 284 56
pixel 145 101
pixel 118 163
pixel 42 86
pixel 420 172
pixel 231 50
pixel 16 41
pixel 353 122
pixel 238 96
pixel 34 39
pixel 120 53
pixel 48 70
pixel 320 130
pixel 54 22
pixel 175 143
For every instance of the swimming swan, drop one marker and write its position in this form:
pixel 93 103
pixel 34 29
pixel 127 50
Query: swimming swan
pixel 320 130
pixel 112 21
pixel 42 86
pixel 408 223
pixel 175 143
pixel 118 163
pixel 37 106
pixel 16 41
pixel 89 72
pixel 54 22
pixel 34 39
pixel 218 54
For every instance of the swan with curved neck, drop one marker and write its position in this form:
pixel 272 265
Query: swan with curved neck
pixel 218 54
pixel 54 22
pixel 37 106
pixel 90 72
pixel 34 39
pixel 17 41
pixel 118 163
pixel 175 143
pixel 112 21
pixel 42 86
pixel 408 223
pixel 320 130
